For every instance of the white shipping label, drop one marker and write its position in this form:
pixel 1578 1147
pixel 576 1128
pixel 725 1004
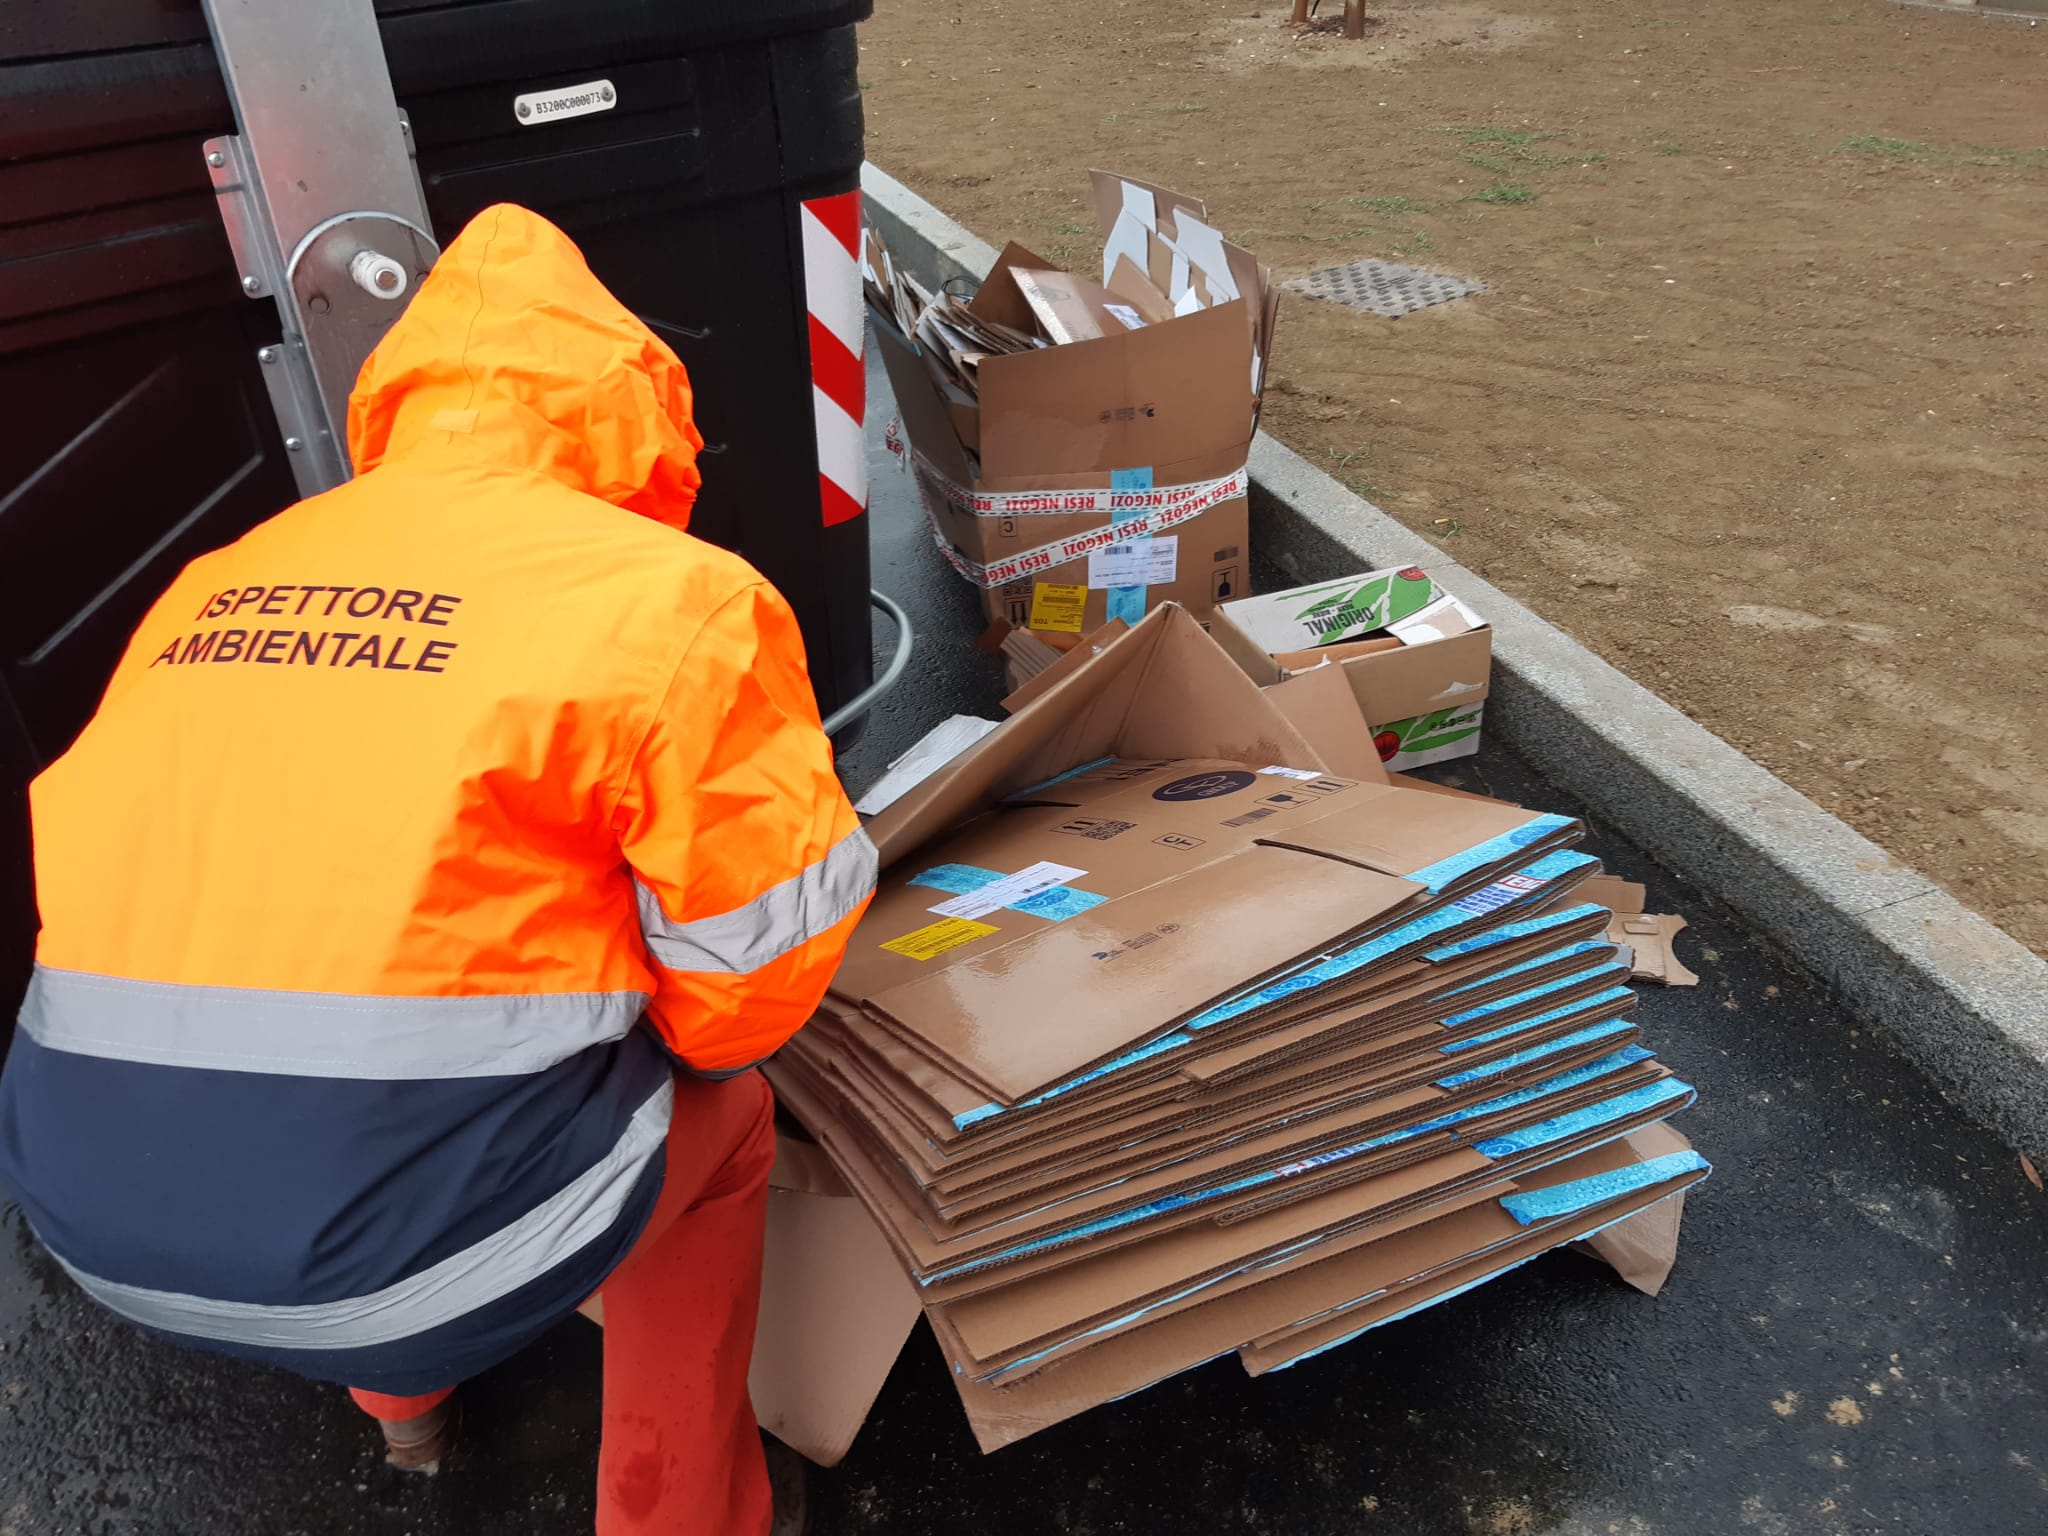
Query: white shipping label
pixel 565 101
pixel 1009 890
pixel 1130 318
pixel 1141 563
pixel 1292 773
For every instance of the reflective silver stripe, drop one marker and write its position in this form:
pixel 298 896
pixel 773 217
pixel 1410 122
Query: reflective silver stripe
pixel 773 923
pixel 319 1034
pixel 498 1265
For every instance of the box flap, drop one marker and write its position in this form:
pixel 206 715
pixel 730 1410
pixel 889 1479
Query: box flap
pixel 836 1308
pixel 1000 299
pixel 1047 673
pixel 1163 690
pixel 1321 705
pixel 1166 395
pixel 1417 679
pixel 925 415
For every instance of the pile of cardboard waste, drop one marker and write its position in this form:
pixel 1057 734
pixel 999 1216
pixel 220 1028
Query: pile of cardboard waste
pixel 1080 446
pixel 1163 1041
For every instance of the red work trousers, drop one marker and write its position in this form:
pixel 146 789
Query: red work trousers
pixel 680 1453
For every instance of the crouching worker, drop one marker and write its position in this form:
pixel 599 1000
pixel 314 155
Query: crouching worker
pixel 443 856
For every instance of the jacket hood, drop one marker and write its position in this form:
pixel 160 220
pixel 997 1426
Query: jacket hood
pixel 514 353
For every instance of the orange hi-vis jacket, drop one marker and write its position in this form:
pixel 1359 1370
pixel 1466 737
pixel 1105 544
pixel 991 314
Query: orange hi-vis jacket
pixel 420 833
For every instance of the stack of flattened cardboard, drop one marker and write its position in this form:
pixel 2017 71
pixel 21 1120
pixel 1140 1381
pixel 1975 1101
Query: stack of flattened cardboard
pixel 1160 1041
pixel 1079 446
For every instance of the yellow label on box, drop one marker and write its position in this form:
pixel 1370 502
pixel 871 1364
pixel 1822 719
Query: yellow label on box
pixel 941 936
pixel 1058 607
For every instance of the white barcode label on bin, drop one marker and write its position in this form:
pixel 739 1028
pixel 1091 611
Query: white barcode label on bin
pixel 565 101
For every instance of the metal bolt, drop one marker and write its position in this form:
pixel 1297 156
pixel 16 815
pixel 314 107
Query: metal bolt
pixel 216 159
pixel 377 274
pixel 319 304
pixel 606 93
pixel 294 444
pixel 252 286
pixel 525 110
pixel 267 355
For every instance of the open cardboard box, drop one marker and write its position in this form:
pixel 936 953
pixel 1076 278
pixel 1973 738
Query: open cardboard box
pixel 836 1304
pixel 1100 476
pixel 1417 659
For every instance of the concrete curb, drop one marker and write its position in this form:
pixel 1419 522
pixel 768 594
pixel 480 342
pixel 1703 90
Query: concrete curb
pixel 1960 997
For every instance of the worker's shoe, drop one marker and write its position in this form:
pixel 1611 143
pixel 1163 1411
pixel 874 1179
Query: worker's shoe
pixel 788 1486
pixel 422 1444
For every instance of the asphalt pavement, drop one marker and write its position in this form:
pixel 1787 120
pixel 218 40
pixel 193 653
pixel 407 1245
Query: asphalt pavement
pixel 1855 1339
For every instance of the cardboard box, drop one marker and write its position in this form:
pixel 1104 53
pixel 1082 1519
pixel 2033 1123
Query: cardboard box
pixel 1101 473
pixel 1418 660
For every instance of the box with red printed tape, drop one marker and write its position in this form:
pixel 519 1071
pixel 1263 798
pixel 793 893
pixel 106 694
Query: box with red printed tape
pixel 1080 448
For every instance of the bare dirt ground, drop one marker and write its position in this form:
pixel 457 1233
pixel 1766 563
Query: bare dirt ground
pixel 1755 404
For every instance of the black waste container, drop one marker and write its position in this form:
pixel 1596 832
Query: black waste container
pixel 716 193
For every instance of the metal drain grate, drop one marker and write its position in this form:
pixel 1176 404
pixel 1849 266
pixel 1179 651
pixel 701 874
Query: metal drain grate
pixel 1384 287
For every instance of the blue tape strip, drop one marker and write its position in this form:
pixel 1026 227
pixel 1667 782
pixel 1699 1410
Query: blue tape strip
pixel 954 879
pixel 1529 965
pixel 1564 1080
pixel 1533 1205
pixel 1061 778
pixel 1057 904
pixel 1579 1121
pixel 1601 999
pixel 1512 931
pixel 1126 603
pixel 1442 873
pixel 1473 1015
pixel 1537 1052
pixel 1527 886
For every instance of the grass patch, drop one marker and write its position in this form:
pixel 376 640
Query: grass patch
pixel 1504 194
pixel 1506 152
pixel 1415 243
pixel 1667 147
pixel 1072 229
pixel 1520 162
pixel 1389 204
pixel 1357 485
pixel 1912 152
pixel 1180 109
pixel 1495 133
pixel 1111 119
pixel 1888 148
